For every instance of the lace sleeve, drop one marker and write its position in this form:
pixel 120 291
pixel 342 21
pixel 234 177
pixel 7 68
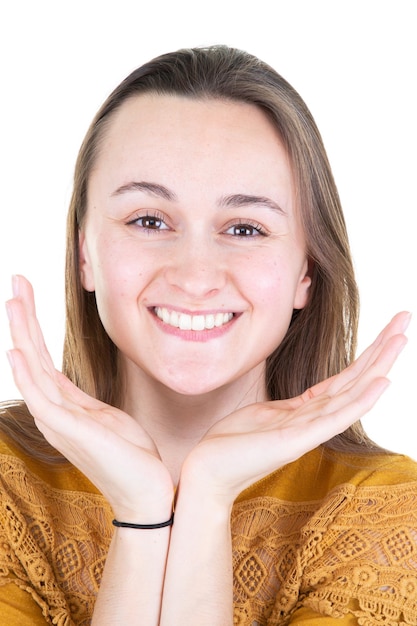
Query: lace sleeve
pixel 53 545
pixel 366 561
pixel 351 557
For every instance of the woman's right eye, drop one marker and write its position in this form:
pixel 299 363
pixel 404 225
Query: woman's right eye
pixel 149 222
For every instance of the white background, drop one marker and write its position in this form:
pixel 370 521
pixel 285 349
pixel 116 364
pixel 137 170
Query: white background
pixel 354 62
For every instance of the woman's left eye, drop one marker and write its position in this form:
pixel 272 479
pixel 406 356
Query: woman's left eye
pixel 245 230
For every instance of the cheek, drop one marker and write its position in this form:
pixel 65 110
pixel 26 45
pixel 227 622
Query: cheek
pixel 117 263
pixel 273 290
pixel 268 282
pixel 117 273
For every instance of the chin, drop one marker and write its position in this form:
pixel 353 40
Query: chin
pixel 195 385
pixel 193 389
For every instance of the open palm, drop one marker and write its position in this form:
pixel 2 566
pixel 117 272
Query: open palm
pixel 106 444
pixel 257 439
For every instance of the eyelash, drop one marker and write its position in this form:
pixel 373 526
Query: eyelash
pixel 155 218
pixel 254 228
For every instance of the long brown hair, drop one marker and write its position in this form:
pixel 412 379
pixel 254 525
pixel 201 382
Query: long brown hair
pixel 321 340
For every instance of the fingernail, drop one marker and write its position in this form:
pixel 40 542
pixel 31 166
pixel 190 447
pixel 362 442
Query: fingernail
pixel 406 322
pixel 15 285
pixel 10 358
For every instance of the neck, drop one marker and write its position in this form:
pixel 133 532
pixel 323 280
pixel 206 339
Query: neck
pixel 176 422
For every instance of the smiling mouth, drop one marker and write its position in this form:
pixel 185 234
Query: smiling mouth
pixel 184 321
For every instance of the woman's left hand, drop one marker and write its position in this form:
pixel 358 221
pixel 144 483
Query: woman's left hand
pixel 258 439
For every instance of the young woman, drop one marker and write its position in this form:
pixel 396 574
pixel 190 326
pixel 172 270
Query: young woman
pixel 208 367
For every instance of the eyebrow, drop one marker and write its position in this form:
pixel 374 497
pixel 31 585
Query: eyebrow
pixel 241 200
pixel 152 188
pixel 232 201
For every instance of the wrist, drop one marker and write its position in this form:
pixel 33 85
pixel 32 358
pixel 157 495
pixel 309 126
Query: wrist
pixel 145 512
pixel 202 497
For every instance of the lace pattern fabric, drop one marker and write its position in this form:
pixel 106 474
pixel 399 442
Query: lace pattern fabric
pixel 355 551
pixel 53 543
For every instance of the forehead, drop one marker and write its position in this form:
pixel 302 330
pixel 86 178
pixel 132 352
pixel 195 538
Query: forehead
pixel 187 111
pixel 212 140
pixel 166 116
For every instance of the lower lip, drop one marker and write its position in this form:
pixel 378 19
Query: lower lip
pixel 195 335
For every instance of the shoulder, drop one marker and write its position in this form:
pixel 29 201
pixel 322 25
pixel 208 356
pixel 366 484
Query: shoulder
pixel 339 529
pixel 26 458
pixel 321 471
pixel 323 484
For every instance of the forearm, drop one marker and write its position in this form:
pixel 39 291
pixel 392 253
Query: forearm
pixel 133 578
pixel 199 578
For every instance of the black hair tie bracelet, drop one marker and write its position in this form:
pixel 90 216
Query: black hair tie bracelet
pixel 144 526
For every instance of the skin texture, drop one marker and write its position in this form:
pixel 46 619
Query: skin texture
pixel 201 420
pixel 260 276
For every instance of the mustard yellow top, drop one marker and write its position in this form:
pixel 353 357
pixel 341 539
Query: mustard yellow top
pixel 329 540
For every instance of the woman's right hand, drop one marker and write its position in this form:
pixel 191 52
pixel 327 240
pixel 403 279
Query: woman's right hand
pixel 104 443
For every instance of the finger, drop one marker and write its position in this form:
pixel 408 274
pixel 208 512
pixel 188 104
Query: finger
pixel 327 414
pixel 23 342
pixel 353 401
pixel 69 425
pixel 22 289
pixel 397 326
pixel 337 416
pixel 24 321
pixel 375 370
pixel 54 420
pixel 72 393
pixel 123 425
pixel 377 365
pixel 37 401
pixel 53 384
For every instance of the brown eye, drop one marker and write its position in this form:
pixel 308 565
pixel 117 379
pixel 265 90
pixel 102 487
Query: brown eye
pixel 149 223
pixel 245 229
pixel 153 223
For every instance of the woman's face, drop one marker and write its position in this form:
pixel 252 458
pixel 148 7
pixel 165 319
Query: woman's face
pixel 192 242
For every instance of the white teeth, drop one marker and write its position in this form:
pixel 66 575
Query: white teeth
pixel 218 319
pixel 197 322
pixel 183 321
pixel 209 321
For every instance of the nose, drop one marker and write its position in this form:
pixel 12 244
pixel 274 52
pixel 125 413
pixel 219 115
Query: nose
pixel 197 268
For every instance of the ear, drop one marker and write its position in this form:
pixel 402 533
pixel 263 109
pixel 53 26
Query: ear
pixel 302 293
pixel 86 270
